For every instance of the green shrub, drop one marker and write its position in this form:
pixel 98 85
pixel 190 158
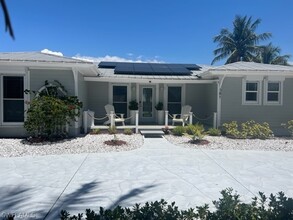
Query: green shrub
pixel 127 131
pixel 289 126
pixel 166 130
pixel 49 112
pixel 249 129
pixel 178 130
pixel 112 130
pixel 159 106
pixel 228 206
pixel 196 131
pixel 96 131
pixel 133 105
pixel 214 132
pixel 232 130
pixel 256 130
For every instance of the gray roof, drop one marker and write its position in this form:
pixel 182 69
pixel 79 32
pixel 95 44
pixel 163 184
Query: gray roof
pixel 251 66
pixel 38 57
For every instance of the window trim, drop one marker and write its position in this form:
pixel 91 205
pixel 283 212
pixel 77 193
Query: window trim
pixel 258 92
pixel 266 83
pixel 25 98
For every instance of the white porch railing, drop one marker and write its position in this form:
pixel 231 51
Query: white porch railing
pixel 88 120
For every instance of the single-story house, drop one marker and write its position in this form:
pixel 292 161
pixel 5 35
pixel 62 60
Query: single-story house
pixel 240 91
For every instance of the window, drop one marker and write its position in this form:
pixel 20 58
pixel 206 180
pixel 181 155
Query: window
pixel 273 93
pixel 251 92
pixel 13 99
pixel 120 99
pixel 174 99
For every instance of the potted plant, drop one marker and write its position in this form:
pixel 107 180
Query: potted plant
pixel 160 113
pixel 133 106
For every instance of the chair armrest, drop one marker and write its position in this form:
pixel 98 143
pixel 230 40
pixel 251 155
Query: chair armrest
pixel 175 115
pixel 121 115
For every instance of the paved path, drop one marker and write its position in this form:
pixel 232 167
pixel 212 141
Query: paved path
pixel 39 187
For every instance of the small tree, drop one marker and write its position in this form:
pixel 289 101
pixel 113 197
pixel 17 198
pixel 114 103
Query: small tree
pixel 50 111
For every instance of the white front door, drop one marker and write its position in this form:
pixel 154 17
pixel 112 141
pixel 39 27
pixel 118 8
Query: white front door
pixel 147 104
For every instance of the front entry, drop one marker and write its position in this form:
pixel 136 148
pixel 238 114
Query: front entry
pixel 147 104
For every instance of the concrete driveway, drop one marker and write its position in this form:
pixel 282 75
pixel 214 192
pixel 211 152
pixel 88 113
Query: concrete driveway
pixel 39 187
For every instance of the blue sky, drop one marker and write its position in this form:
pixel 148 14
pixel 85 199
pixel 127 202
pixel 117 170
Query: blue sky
pixel 176 31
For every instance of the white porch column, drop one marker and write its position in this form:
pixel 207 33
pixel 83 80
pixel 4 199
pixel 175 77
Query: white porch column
pixel 75 77
pixel 190 117
pixel 112 124
pixel 215 120
pixel 219 99
pixel 166 118
pixel 136 121
pixel 85 120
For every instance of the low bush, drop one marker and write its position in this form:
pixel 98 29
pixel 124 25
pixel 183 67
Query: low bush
pixel 256 130
pixel 289 127
pixel 214 132
pixel 166 130
pixel 232 130
pixel 112 130
pixel 229 206
pixel 249 129
pixel 96 131
pixel 178 130
pixel 196 131
pixel 128 131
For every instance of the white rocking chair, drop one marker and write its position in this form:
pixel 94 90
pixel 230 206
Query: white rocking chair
pixel 110 108
pixel 185 111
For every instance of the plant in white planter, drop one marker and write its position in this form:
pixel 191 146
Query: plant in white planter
pixel 160 113
pixel 133 106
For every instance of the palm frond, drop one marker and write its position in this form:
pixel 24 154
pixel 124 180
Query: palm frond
pixel 241 42
pixel 8 25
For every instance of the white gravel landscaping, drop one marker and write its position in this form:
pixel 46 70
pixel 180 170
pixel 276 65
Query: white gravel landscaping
pixel 223 143
pixel 89 144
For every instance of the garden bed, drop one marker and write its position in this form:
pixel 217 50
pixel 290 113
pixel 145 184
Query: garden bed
pixel 224 143
pixel 87 144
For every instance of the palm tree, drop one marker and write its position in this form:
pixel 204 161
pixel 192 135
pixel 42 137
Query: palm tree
pixel 241 43
pixel 271 55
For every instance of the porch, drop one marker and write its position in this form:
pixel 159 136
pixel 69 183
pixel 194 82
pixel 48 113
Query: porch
pixel 201 95
pixel 89 122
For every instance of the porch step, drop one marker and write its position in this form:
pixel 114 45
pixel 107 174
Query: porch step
pixel 152 133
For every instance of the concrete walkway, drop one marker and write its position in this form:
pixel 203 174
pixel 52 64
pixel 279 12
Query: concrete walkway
pixel 39 187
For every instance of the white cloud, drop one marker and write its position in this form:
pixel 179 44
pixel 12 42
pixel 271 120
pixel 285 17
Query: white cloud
pixel 130 54
pixel 47 51
pixel 139 59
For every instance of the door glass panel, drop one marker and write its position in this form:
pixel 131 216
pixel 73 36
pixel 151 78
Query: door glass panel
pixel 147 102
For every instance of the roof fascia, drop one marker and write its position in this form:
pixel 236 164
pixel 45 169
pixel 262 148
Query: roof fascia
pixel 83 68
pixel 45 64
pixel 241 73
pixel 150 80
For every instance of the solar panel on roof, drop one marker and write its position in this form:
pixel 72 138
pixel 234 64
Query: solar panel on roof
pixel 192 66
pixel 178 70
pixel 150 68
pixel 142 68
pixel 107 64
